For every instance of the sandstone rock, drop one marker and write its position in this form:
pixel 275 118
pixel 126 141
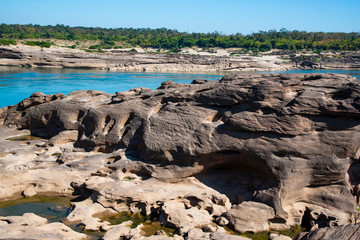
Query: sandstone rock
pixel 222 236
pixel 175 214
pixel 250 216
pixel 222 221
pixel 118 231
pixel 345 232
pixel 63 137
pixel 197 233
pixel 29 192
pixel 275 236
pixel 30 226
pixel 84 212
pixel 287 144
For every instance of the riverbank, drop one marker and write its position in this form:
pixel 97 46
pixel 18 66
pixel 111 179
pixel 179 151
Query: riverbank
pixel 62 55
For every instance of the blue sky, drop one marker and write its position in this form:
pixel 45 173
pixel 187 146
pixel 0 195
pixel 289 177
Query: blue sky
pixel 225 16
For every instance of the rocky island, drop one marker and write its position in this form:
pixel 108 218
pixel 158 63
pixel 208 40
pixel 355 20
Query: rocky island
pixel 249 153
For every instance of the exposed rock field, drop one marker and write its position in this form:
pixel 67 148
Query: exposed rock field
pixel 250 152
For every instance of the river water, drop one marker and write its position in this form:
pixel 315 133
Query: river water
pixel 18 83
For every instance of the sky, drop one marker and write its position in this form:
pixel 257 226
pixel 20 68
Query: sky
pixel 205 16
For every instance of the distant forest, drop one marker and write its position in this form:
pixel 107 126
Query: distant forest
pixel 174 40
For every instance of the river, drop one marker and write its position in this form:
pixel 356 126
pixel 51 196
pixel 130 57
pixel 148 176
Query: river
pixel 17 83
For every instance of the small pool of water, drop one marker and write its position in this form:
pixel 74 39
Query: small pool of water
pixel 55 209
pixel 52 208
pixel 292 232
pixel 23 138
pixel 150 226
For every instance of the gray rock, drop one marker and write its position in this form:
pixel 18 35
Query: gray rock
pixel 344 232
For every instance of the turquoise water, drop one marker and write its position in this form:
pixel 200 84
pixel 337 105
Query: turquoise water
pixel 19 83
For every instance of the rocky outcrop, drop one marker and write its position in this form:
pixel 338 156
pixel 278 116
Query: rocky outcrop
pixel 326 60
pixel 58 57
pixel 253 152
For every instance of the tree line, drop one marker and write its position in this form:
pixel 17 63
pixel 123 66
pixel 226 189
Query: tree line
pixel 173 39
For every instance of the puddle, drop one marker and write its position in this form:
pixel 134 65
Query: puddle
pixel 52 208
pixel 136 218
pixel 150 226
pixel 23 138
pixel 57 208
pixel 292 232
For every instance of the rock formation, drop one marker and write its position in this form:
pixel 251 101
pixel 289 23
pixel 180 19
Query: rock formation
pixel 253 152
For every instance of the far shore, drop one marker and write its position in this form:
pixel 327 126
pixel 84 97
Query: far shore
pixel 214 60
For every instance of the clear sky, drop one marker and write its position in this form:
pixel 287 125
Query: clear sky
pixel 224 16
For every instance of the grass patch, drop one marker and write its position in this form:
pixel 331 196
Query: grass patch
pixel 128 178
pixel 7 42
pixel 42 44
pixel 56 154
pixel 136 218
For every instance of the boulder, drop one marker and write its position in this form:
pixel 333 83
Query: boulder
pixel 250 217
pixel 175 214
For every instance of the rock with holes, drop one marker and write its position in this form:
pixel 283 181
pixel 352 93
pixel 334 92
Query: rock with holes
pixel 287 143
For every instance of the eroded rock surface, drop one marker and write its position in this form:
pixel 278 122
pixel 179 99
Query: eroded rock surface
pixel 285 147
